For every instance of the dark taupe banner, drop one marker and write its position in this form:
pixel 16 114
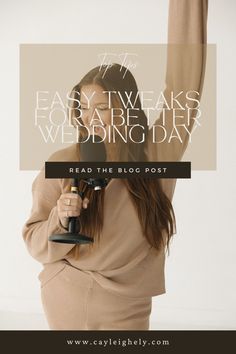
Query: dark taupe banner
pixel 173 342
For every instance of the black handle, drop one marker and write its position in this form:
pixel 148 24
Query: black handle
pixel 73 219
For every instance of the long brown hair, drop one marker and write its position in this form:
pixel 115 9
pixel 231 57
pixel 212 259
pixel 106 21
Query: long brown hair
pixel 153 207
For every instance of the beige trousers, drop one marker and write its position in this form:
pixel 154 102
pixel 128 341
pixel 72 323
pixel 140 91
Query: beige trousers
pixel 73 300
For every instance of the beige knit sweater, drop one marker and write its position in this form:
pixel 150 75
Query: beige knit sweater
pixel 124 262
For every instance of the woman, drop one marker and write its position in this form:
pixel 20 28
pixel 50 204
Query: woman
pixel 110 284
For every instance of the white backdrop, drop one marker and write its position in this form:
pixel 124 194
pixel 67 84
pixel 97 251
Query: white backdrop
pixel 200 271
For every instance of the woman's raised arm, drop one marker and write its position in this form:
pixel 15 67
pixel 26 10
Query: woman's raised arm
pixel 186 57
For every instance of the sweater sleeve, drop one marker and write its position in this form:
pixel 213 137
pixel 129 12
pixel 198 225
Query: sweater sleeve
pixel 186 56
pixel 44 221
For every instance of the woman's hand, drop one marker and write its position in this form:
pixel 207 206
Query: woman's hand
pixel 68 205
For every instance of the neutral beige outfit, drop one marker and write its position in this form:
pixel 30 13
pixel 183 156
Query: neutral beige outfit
pixel 111 285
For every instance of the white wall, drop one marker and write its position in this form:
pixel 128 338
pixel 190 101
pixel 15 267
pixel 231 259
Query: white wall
pixel 200 272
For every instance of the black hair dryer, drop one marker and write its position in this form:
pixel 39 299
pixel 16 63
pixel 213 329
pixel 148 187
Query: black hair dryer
pixel 91 150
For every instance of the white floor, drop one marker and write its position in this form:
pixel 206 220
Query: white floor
pixel 20 313
pixel 22 321
pixel 36 321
